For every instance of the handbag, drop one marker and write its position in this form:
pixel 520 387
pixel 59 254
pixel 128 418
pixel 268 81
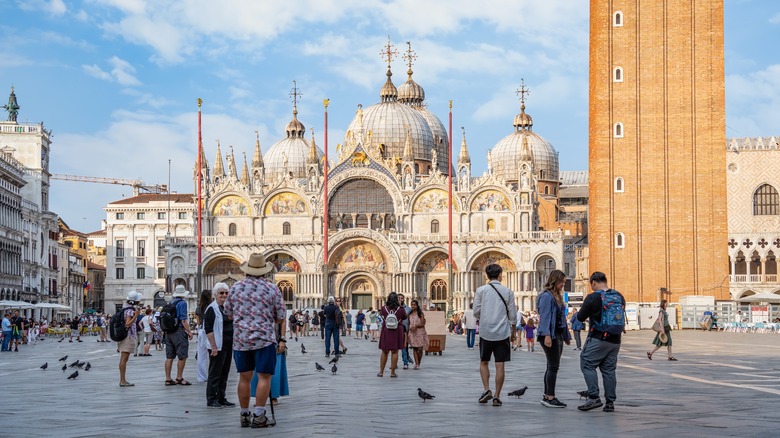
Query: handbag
pixel 657 325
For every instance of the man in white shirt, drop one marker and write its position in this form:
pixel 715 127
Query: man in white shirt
pixel 494 306
pixel 470 324
pixel 146 324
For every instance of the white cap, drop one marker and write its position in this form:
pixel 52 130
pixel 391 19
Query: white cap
pixel 134 296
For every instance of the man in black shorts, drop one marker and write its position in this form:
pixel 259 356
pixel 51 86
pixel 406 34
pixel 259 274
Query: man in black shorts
pixel 494 307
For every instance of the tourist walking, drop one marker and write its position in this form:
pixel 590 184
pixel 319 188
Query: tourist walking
pixel 315 322
pixel 146 326
pixel 470 324
pixel 321 314
pixel 75 327
pixel 372 323
pixel 218 331
pixel 664 337
pixel 553 332
pixel 348 318
pixel 494 306
pixel 332 317
pixel 605 310
pixel 256 306
pixel 405 323
pixel 530 328
pixel 203 360
pixel 391 338
pixel 360 318
pixel 177 341
pixel 127 345
pixel 7 330
pixel 577 327
pixel 418 336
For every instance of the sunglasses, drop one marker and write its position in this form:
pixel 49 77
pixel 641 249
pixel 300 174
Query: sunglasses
pixel 222 293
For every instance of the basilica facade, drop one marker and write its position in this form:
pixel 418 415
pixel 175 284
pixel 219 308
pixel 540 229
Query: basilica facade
pixel 387 195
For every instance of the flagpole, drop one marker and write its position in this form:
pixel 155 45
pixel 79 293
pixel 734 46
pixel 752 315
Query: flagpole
pixel 198 278
pixel 325 209
pixel 449 216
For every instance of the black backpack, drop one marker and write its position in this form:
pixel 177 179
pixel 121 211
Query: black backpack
pixel 117 329
pixel 169 323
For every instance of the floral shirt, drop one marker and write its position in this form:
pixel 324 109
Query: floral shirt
pixel 255 305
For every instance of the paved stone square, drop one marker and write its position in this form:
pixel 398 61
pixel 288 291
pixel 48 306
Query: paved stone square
pixel 725 384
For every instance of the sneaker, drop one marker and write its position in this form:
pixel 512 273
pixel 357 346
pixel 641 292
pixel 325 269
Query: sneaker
pixel 259 421
pixel 532 349
pixel 554 403
pixel 592 403
pixel 486 396
pixel 224 402
pixel 609 407
pixel 245 419
pixel 214 404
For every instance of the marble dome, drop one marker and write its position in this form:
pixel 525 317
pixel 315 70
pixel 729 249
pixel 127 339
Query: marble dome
pixel 506 153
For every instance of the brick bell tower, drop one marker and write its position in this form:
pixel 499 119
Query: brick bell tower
pixel 657 143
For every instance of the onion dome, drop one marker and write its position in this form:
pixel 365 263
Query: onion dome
pixel 289 155
pixel 410 92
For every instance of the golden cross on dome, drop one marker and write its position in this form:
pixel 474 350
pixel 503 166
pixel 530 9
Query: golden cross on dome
pixel 295 93
pixel 522 91
pixel 410 56
pixel 388 52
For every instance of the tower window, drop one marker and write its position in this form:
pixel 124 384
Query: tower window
pixel 618 130
pixel 766 201
pixel 617 74
pixel 232 230
pixel 617 19
pixel 434 226
pixel 619 185
pixel 286 228
pixel 620 240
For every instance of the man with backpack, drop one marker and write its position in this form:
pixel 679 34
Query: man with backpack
pixel 173 320
pixel 332 318
pixel 123 331
pixel 605 308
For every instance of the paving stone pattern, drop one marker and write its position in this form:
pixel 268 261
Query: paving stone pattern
pixel 725 384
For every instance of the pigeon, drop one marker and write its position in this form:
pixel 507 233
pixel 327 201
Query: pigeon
pixel 583 394
pixel 89 366
pixel 80 364
pixel 303 349
pixel 61 341
pixel 63 359
pixel 334 360
pixel 334 369
pixel 74 375
pixel 74 364
pixel 44 366
pixel 518 392
pixel 64 367
pixel 424 395
pixel 318 367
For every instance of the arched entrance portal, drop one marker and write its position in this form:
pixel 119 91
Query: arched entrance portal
pixel 360 291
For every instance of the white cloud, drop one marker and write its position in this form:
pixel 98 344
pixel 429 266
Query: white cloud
pixel 63 40
pixel 775 19
pixel 54 8
pixel 122 72
pixel 752 107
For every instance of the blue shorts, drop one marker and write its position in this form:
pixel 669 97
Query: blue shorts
pixel 359 327
pixel 262 361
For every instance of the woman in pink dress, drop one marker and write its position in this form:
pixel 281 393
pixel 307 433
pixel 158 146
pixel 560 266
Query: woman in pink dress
pixel 418 337
pixel 391 339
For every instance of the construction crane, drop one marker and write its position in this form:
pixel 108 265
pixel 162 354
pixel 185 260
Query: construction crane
pixel 137 185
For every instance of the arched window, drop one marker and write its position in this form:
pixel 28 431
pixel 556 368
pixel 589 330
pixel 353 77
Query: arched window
pixel 434 226
pixel 286 288
pixel 620 240
pixel 617 74
pixel 766 201
pixel 617 19
pixel 439 290
pixel 618 185
pixel 618 130
pixel 286 228
pixel 546 190
pixel 232 230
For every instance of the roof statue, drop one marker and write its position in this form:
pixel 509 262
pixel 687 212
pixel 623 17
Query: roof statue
pixel 12 107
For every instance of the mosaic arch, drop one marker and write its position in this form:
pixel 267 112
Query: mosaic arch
pixel 231 206
pixel 434 261
pixel 433 201
pixel 490 200
pixel 359 255
pixel 222 266
pixel 492 257
pixel 285 262
pixel 285 203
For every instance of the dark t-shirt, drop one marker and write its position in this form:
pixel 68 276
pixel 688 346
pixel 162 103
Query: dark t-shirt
pixel 591 308
pixel 227 324
pixel 74 324
pixel 360 318
pixel 331 313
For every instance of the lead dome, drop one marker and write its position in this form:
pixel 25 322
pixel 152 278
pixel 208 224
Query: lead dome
pixel 294 149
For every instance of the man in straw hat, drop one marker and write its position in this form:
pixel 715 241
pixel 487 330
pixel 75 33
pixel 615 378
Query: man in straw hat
pixel 256 306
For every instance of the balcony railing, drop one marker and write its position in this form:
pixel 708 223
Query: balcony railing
pixel 754 278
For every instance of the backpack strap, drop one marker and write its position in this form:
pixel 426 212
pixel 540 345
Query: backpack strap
pixel 502 300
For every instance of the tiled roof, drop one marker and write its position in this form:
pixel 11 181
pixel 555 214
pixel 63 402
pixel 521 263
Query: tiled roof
pixel 153 197
pixel 574 177
pixel 92 265
pixel 97 233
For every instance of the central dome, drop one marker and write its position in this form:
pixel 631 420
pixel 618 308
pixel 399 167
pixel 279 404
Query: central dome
pixel 506 153
pixel 289 155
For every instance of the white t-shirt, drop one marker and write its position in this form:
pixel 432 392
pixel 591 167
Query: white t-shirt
pixel 146 323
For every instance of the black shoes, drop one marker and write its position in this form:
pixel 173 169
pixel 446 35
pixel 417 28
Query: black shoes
pixel 609 407
pixel 486 396
pixel 592 403
pixel 553 403
pixel 226 403
pixel 214 404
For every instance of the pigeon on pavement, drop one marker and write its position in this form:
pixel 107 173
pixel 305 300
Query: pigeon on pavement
pixel 80 364
pixel 74 364
pixel 335 359
pixel 424 395
pixel 583 394
pixel 318 367
pixel 74 375
pixel 303 349
pixel 63 359
pixel 64 367
pixel 518 392
pixel 334 369
pixel 61 340
pixel 89 365
pixel 44 366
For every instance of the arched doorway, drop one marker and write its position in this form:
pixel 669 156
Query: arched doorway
pixel 159 299
pixel 361 292
pixel 544 266
pixel 222 269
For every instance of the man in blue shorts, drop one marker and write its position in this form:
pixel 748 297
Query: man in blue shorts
pixel 256 306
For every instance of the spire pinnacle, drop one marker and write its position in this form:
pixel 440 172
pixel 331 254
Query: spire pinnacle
pixel 408 145
pixel 257 159
pixel 232 171
pixel 312 150
pixel 219 169
pixel 388 93
pixel 464 158
pixel 245 172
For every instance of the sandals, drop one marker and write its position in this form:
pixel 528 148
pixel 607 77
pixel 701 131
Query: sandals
pixel 380 375
pixel 649 355
pixel 170 383
pixel 672 358
pixel 126 384
pixel 183 382
pixel 497 402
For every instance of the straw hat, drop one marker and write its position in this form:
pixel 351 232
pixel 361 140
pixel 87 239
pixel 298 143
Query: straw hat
pixel 180 291
pixel 663 338
pixel 256 265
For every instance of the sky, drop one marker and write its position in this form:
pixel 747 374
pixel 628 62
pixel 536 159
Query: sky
pixel 117 80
